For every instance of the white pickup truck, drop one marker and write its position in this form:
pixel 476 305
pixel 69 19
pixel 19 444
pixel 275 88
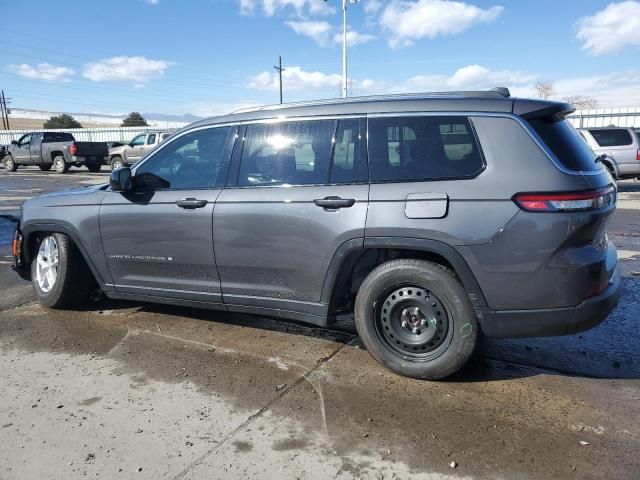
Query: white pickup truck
pixel 137 148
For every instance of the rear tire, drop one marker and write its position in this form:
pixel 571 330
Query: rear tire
pixel 116 163
pixel 45 167
pixel 94 167
pixel 60 165
pixel 59 275
pixel 10 164
pixel 415 318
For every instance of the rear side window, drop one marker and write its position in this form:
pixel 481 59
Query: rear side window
pixel 612 137
pixel 295 153
pixel 349 153
pixel 57 137
pixel 151 139
pixel 565 143
pixel 422 148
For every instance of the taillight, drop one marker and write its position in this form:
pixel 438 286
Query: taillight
pixel 566 201
pixel 638 155
pixel 73 149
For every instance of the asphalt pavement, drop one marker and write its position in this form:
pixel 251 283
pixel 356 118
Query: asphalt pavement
pixel 127 390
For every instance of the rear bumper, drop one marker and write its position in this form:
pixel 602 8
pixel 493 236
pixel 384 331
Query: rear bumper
pixel 554 321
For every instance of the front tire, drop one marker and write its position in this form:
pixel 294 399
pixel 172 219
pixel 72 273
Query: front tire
pixel 415 318
pixel 10 164
pixel 59 275
pixel 94 167
pixel 59 165
pixel 116 163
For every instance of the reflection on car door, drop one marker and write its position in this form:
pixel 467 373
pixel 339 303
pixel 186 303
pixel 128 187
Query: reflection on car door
pixel 282 218
pixel 169 250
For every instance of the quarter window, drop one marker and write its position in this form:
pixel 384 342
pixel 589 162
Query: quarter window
pixel 194 160
pixel 294 153
pixel 612 138
pixel 422 148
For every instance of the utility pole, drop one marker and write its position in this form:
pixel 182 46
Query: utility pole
pixel 279 69
pixel 5 112
pixel 345 93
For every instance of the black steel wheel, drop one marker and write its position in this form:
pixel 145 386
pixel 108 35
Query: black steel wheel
pixel 416 319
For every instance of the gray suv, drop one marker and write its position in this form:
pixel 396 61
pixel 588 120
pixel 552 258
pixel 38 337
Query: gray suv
pixel 619 147
pixel 430 218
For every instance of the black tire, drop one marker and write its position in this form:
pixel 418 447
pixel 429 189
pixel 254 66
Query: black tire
pixel 59 165
pixel 9 163
pixel 45 167
pixel 397 287
pixel 74 280
pixel 94 167
pixel 117 162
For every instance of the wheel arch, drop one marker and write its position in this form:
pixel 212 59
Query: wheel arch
pixel 30 234
pixel 56 153
pixel 347 258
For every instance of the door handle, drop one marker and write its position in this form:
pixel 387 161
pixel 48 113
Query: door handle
pixel 191 203
pixel 334 203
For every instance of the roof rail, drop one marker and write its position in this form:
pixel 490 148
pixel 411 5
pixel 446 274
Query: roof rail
pixel 498 92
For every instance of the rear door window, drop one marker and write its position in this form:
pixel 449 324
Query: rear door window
pixel 423 148
pixel 565 143
pixel 612 137
pixel 349 153
pixel 293 153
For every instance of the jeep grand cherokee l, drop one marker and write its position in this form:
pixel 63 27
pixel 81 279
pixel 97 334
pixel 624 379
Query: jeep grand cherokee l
pixel 430 217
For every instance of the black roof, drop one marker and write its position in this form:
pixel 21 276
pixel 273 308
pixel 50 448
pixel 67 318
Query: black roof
pixel 497 100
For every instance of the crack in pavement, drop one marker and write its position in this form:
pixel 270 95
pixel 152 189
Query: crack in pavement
pixel 322 361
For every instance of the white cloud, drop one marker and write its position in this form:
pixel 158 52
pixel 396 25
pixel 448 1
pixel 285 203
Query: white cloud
pixel 43 71
pixel 407 21
pixel 301 7
pixel 134 69
pixel 325 35
pixel 372 6
pixel 295 79
pixel 354 38
pixel 616 89
pixel 611 29
pixel 319 32
pixel 472 77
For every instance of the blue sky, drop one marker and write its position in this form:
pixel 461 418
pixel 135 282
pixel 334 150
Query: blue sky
pixel 212 56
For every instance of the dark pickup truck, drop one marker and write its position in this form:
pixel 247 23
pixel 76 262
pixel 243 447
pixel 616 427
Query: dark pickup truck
pixel 54 149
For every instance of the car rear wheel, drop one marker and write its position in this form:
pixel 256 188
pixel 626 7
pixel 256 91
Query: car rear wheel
pixel 415 318
pixel 45 167
pixel 9 163
pixel 116 163
pixel 59 165
pixel 59 275
pixel 94 167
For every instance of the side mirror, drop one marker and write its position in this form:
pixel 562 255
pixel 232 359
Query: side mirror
pixel 121 180
pixel 14 142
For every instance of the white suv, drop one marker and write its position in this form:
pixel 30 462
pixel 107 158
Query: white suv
pixel 621 147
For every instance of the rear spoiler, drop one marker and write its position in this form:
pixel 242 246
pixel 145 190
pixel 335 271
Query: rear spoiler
pixel 530 108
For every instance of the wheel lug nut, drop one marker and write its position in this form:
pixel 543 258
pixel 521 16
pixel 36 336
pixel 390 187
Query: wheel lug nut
pixel 415 330
pixel 423 322
pixel 404 324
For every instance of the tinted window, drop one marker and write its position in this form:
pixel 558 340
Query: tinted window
pixel 566 143
pixel 194 160
pixel 295 153
pixel 58 137
pixel 349 156
pixel 151 139
pixel 24 140
pixel 612 138
pixel 422 148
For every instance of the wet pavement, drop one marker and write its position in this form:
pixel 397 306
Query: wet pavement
pixel 124 390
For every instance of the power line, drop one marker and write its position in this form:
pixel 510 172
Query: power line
pixel 5 111
pixel 279 69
